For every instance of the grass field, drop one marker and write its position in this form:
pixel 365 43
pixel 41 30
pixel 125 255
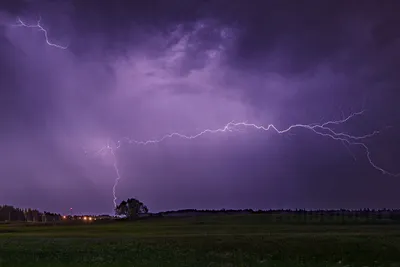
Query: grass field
pixel 223 240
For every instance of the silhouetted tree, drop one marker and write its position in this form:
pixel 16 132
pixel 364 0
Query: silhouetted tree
pixel 131 208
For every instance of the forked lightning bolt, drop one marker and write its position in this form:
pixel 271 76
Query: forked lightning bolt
pixel 38 26
pixel 324 129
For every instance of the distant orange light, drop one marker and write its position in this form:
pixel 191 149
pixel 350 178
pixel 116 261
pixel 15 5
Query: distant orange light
pixel 90 218
pixel 64 217
pixel 84 218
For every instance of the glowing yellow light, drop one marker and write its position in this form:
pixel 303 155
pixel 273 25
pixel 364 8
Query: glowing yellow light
pixel 64 217
pixel 84 218
pixel 90 218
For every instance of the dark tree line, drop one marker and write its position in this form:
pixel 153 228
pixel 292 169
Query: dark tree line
pixel 302 215
pixel 13 214
pixel 133 209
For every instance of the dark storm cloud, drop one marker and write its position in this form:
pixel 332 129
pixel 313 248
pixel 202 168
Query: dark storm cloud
pixel 146 68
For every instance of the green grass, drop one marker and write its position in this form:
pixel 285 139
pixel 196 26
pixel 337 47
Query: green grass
pixel 225 240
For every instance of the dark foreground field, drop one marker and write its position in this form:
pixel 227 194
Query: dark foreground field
pixel 228 240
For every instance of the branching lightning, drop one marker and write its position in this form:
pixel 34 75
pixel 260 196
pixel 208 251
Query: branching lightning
pixel 38 26
pixel 324 130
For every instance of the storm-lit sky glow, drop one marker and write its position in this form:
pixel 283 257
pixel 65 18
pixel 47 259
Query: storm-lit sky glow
pixel 79 77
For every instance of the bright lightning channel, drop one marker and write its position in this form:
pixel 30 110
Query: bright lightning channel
pixel 38 26
pixel 323 129
pixel 319 129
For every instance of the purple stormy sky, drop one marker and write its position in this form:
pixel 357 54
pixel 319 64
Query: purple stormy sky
pixel 143 69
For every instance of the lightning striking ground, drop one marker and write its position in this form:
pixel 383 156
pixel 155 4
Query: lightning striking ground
pixel 324 130
pixel 38 26
pixel 115 164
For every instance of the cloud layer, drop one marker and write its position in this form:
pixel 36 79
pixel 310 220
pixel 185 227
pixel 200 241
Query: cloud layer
pixel 147 76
